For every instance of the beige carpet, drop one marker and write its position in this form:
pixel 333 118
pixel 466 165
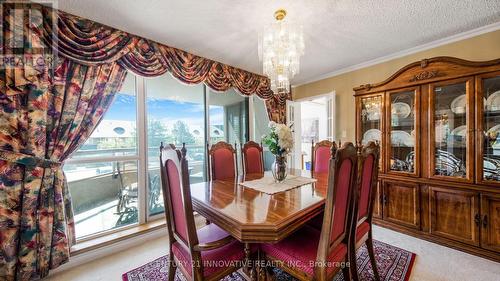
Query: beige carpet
pixel 433 262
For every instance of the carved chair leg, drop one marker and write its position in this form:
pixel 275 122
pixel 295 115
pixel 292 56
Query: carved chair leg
pixel 171 268
pixel 353 267
pixel 371 253
pixel 347 273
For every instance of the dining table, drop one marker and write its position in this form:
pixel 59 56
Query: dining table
pixel 253 216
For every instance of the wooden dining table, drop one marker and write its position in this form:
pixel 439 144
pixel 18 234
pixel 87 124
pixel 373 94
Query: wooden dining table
pixel 251 216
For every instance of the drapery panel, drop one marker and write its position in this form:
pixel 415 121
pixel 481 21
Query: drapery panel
pixel 39 129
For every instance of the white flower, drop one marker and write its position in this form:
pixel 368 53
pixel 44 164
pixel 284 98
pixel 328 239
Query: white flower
pixel 285 137
pixel 272 124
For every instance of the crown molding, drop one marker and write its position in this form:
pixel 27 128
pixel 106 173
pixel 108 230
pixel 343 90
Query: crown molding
pixel 413 50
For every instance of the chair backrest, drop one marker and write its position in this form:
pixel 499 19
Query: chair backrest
pixel 222 161
pixel 337 220
pixel 367 183
pixel 177 196
pixel 253 158
pixel 320 156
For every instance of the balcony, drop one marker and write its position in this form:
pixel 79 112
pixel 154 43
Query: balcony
pixel 105 193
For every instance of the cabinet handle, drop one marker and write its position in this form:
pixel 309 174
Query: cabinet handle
pixel 485 221
pixel 384 199
pixel 477 219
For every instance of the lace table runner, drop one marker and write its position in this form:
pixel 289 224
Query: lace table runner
pixel 269 186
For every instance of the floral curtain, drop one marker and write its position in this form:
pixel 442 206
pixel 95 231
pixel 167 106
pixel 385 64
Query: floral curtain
pixel 92 43
pixel 276 108
pixel 40 126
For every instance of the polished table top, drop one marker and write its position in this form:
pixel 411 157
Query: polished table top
pixel 253 216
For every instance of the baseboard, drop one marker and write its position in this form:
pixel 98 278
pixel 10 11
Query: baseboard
pixel 107 250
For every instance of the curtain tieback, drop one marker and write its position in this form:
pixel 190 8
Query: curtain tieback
pixel 28 160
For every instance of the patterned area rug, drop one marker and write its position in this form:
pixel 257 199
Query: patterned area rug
pixel 394 264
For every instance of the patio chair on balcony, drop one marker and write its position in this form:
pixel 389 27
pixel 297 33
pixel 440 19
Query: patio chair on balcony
pixel 128 189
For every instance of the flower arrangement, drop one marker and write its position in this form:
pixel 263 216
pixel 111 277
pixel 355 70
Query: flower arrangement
pixel 280 143
pixel 279 140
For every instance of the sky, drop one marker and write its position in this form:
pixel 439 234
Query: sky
pixel 124 108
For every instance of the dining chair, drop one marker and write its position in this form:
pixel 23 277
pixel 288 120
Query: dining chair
pixel 368 157
pixel 320 152
pixel 209 253
pixel 222 161
pixel 310 254
pixel 253 158
pixel 320 156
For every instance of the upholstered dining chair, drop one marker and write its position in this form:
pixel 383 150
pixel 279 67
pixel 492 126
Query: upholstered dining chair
pixel 222 163
pixel 310 254
pixel 253 158
pixel 365 192
pixel 320 156
pixel 209 253
pixel 321 153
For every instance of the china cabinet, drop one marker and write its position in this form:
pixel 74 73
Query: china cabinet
pixel 438 123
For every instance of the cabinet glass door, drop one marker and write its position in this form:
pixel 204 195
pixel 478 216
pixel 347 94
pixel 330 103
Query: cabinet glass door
pixel 371 119
pixel 451 105
pixel 489 129
pixel 403 131
pixel 370 123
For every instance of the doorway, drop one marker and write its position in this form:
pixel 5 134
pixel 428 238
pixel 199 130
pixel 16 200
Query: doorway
pixel 313 121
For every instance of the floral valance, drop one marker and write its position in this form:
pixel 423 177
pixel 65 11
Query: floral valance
pixel 91 43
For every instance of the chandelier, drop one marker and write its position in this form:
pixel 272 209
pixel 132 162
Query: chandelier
pixel 280 47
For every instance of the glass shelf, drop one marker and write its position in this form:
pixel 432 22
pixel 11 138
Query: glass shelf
pixel 402 131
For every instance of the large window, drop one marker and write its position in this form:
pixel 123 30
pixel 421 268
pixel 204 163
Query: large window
pixel 114 178
pixel 261 128
pixel 102 174
pixel 228 119
pixel 175 114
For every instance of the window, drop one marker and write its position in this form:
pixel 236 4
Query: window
pixel 175 114
pixel 228 116
pixel 261 128
pixel 102 174
pixel 114 178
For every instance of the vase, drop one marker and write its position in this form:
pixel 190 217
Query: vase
pixel 279 168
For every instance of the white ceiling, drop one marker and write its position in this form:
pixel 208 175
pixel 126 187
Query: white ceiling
pixel 338 33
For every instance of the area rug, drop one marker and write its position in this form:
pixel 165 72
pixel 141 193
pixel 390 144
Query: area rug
pixel 393 263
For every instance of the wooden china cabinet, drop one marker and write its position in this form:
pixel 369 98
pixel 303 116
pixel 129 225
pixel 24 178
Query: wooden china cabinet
pixel 438 122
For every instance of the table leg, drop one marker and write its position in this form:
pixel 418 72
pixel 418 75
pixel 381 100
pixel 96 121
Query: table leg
pixel 250 269
pixel 261 267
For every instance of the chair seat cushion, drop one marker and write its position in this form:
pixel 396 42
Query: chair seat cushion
pixel 214 261
pixel 362 230
pixel 299 250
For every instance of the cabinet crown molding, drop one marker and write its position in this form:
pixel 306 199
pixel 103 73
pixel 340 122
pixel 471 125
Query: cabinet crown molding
pixel 437 68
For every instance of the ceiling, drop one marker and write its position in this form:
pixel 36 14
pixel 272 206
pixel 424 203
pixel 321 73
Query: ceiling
pixel 338 33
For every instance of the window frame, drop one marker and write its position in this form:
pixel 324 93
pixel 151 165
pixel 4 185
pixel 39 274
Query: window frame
pixel 141 156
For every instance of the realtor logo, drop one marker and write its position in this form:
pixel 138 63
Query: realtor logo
pixel 28 36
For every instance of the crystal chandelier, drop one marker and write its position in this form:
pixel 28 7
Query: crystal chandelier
pixel 280 47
